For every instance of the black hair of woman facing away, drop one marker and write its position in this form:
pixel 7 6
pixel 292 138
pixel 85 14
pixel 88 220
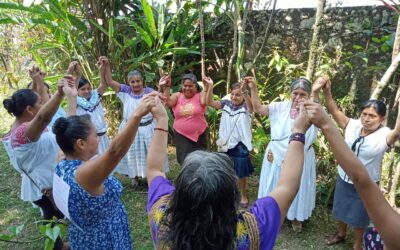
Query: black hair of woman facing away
pixel 201 210
pixel 94 205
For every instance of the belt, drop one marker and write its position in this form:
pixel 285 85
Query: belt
pixel 148 122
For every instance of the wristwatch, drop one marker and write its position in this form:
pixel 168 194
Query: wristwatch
pixel 297 137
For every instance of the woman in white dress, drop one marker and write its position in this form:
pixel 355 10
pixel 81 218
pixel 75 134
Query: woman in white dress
pixel 282 115
pixel 134 162
pixel 89 102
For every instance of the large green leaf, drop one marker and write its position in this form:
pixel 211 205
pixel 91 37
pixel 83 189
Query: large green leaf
pixel 15 6
pixel 148 12
pixel 144 35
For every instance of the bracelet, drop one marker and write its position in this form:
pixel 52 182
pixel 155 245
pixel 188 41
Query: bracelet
pixel 161 129
pixel 297 137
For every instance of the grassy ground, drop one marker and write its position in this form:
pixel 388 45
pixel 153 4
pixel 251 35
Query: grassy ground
pixel 13 211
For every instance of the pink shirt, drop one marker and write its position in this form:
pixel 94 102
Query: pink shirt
pixel 189 117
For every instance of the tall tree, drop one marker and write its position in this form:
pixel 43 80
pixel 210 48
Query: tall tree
pixel 314 42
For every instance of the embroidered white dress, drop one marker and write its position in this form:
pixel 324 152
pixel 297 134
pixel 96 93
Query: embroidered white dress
pixel 281 124
pixel 94 108
pixel 36 159
pixel 134 162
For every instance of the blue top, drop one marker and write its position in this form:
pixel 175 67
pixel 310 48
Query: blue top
pixel 102 220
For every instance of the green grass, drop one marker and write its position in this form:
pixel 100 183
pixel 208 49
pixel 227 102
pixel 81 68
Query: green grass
pixel 13 211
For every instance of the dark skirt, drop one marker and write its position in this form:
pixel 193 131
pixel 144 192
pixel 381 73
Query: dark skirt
pixel 348 206
pixel 241 159
pixel 185 146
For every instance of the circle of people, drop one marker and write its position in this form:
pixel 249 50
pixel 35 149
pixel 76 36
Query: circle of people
pixel 208 207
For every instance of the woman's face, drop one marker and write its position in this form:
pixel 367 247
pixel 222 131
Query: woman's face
pixel 85 91
pixel 299 95
pixel 370 119
pixel 189 88
pixel 36 107
pixel 91 143
pixel 237 97
pixel 136 84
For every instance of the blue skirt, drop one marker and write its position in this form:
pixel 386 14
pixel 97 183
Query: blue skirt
pixel 348 206
pixel 241 160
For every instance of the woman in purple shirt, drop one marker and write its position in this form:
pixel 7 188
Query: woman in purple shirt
pixel 201 210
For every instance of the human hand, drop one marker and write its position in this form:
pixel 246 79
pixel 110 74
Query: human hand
pixel 327 86
pixel 320 83
pixel 165 81
pixel 74 68
pixel 316 114
pixel 207 82
pixel 302 121
pixel 148 102
pixel 66 86
pixel 158 111
pixel 36 75
pixel 250 82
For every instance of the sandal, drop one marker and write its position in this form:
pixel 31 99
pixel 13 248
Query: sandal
pixel 334 239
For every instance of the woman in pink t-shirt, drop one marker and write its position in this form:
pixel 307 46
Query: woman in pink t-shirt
pixel 189 108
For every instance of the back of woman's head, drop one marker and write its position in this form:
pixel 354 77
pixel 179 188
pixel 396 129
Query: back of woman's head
pixel 18 102
pixel 68 130
pixel 378 106
pixel 202 212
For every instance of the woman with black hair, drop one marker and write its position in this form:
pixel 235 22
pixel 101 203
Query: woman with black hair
pixel 89 102
pixel 282 115
pixel 201 211
pixel 189 106
pixel 369 140
pixel 34 146
pixel 99 219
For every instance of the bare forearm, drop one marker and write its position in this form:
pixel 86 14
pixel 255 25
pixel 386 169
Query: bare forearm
pixel 292 167
pixel 71 105
pixel 157 150
pixel 255 100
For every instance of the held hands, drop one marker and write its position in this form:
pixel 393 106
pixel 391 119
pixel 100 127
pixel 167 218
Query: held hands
pixel 316 114
pixel 149 102
pixel 302 121
pixel 165 81
pixel 37 75
pixel 320 83
pixel 66 86
pixel 74 69
pixel 207 82
pixel 249 81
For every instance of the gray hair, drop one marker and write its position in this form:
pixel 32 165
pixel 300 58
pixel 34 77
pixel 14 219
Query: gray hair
pixel 134 73
pixel 301 83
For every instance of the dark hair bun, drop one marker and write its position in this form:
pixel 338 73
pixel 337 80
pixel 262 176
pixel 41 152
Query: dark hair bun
pixel 60 126
pixel 9 105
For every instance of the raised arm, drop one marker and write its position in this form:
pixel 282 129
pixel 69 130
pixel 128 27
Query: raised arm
pixel 255 100
pixel 71 93
pixel 158 146
pixel 92 173
pixel 116 86
pixel 207 81
pixel 394 135
pixel 103 85
pixel 246 96
pixel 46 112
pixel 38 85
pixel 340 118
pixel 170 100
pixel 292 168
pixel 384 217
pixel 319 83
pixel 74 69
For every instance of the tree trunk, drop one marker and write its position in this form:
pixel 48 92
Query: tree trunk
pixel 314 42
pixel 395 181
pixel 234 50
pixel 203 50
pixel 386 77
